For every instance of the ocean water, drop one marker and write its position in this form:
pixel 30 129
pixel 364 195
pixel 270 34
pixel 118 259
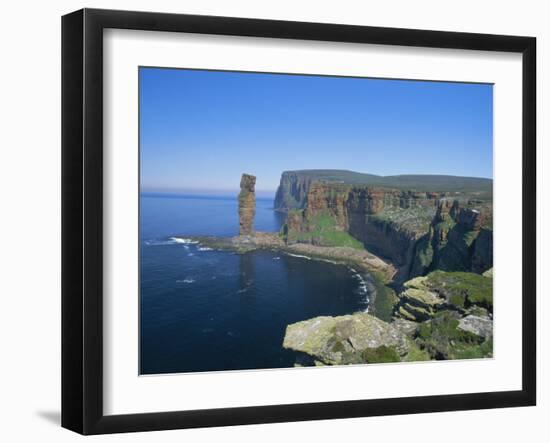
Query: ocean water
pixel 210 310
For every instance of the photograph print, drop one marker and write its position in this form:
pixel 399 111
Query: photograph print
pixel 292 221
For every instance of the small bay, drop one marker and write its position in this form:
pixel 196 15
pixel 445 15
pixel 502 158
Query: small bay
pixel 207 310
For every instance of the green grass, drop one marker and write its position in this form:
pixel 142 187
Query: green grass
pixel 385 298
pixel 479 187
pixel 416 354
pixel 446 224
pixel 442 338
pixel 381 354
pixel 463 288
pixel 470 236
pixel 323 232
pixel 482 350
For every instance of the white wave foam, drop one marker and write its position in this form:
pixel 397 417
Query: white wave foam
pixel 362 287
pixel 298 256
pixel 171 241
pixel 186 280
pixel 276 258
pixel 204 248
pixel 184 241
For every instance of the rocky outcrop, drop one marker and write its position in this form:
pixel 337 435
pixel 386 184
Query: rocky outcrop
pixel 357 338
pixel 480 326
pixel 418 302
pixel 247 205
pixel 422 298
pixel 453 314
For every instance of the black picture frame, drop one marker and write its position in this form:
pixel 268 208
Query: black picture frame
pixel 82 216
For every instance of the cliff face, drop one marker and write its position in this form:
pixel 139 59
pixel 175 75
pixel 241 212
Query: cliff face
pixel 418 231
pixel 292 191
pixel 459 239
pixel 294 185
pixel 247 205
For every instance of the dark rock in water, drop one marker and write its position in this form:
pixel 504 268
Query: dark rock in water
pixel 247 204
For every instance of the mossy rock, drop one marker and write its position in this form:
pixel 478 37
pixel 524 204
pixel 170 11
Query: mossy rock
pixel 443 339
pixel 462 288
pixel 483 350
pixel 416 353
pixel 405 314
pixel 344 339
pixel 418 313
pixel 422 297
pixel 382 354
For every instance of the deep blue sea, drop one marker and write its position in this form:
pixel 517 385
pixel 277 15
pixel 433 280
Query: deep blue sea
pixel 209 310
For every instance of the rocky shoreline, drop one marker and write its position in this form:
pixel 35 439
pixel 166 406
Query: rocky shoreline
pixel 269 240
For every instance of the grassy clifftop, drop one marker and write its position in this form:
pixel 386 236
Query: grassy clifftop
pixel 323 232
pixel 420 182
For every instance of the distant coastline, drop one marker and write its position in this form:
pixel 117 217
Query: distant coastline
pixel 205 195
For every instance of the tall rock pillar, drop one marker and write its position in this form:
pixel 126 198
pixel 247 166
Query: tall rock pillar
pixel 247 205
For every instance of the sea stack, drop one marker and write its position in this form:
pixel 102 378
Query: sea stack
pixel 247 205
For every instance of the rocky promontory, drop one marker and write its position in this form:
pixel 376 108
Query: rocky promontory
pixel 348 339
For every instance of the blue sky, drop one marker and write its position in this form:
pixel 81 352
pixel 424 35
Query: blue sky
pixel 200 130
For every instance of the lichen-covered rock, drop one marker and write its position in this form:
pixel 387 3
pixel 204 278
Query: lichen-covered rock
pixel 464 292
pixel 414 312
pixel 488 273
pixel 407 327
pixel 247 204
pixel 479 311
pixel 422 297
pixel 418 302
pixel 356 338
pixel 480 326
